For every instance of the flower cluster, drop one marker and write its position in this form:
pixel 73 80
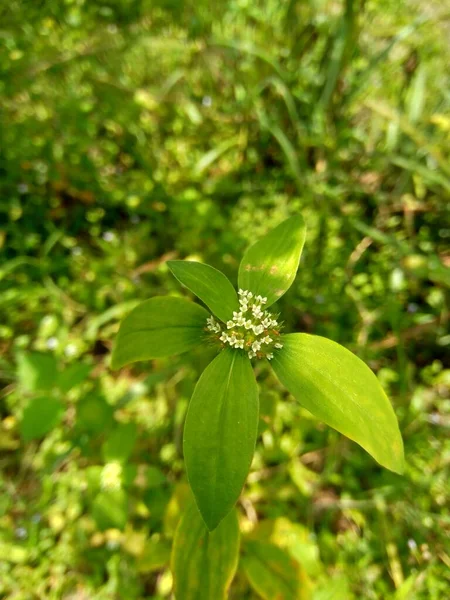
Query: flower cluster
pixel 251 328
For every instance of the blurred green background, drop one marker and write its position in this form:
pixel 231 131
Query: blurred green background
pixel 134 131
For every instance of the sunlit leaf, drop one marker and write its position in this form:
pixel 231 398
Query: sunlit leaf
pixel 341 390
pixel 220 434
pixel 269 267
pixel 203 563
pixel 271 571
pixel 209 284
pixel 39 417
pixel 36 371
pixel 159 327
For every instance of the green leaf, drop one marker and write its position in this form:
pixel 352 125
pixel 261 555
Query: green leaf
pixel 159 327
pixel 110 509
pixel 120 443
pixel 72 376
pixel 94 414
pixel 36 371
pixel 39 417
pixel 209 284
pixel 339 389
pixel 271 571
pixel 203 564
pixel 269 267
pixel 220 434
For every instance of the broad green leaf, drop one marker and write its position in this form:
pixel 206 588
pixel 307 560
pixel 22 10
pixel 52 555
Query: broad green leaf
pixel 220 434
pixel 272 573
pixel 39 417
pixel 203 563
pixel 159 327
pixel 269 267
pixel 209 284
pixel 341 390
pixel 120 443
pixel 36 372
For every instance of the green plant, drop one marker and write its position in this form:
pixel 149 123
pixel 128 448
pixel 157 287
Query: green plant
pixel 222 421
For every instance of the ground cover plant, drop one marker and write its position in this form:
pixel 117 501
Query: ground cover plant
pixel 134 135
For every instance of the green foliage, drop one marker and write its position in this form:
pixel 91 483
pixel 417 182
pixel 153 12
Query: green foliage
pixel 40 416
pixel 220 434
pixel 339 389
pixel 159 327
pixel 209 284
pixel 135 133
pixel 269 267
pixel 221 423
pixel 203 563
pixel 270 571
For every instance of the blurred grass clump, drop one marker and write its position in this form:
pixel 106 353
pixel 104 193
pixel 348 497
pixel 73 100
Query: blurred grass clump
pixel 137 131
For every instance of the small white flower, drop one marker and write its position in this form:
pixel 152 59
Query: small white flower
pixel 240 321
pixel 242 292
pixel 269 356
pixel 266 323
pixel 248 324
pixel 239 344
pixel 278 345
pixel 258 329
pixel 70 350
pixel 249 295
pixel 256 346
pixel 263 300
pixel 251 354
pixel 52 343
pixel 108 236
pixel 236 314
pixel 266 340
pixel 257 312
pixel 224 337
pixel 230 324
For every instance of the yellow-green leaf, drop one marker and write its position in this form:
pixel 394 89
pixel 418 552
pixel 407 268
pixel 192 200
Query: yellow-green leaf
pixel 341 390
pixel 203 563
pixel 271 572
pixel 209 284
pixel 220 434
pixel 159 327
pixel 269 267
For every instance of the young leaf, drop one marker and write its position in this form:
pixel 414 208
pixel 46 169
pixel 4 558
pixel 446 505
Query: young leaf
pixel 159 327
pixel 203 564
pixel 341 390
pixel 269 267
pixel 209 284
pixel 271 571
pixel 39 417
pixel 220 434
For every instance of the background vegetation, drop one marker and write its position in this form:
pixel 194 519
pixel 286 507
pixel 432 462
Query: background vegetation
pixel 134 131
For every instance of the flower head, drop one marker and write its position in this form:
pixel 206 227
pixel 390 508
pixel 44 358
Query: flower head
pixel 250 333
